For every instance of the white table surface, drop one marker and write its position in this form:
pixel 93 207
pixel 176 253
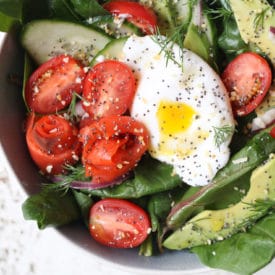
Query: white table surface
pixel 26 250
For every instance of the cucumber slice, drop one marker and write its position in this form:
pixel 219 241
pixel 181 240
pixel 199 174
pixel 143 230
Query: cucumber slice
pixel 201 19
pixel 202 30
pixel 113 50
pixel 44 39
pixel 115 27
pixel 183 12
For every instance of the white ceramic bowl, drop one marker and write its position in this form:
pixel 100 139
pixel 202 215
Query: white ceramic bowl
pixel 12 113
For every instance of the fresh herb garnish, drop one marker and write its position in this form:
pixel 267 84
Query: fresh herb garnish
pixel 72 107
pixel 262 205
pixel 63 182
pixel 221 134
pixel 167 43
pixel 260 18
pixel 218 13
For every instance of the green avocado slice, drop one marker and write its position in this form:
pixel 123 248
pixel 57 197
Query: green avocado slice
pixel 213 225
pixel 255 20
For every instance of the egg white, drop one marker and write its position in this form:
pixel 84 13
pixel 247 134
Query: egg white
pixel 198 103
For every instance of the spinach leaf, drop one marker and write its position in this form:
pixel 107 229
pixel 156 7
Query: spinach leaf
pixel 230 40
pixel 158 207
pixel 150 177
pixel 51 208
pixel 88 8
pixel 64 10
pixel 243 253
pixel 10 14
pixel 36 9
pixel 41 9
pixel 147 247
pixel 84 202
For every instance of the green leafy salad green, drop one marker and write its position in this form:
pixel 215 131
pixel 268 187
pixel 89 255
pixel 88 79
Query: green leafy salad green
pixel 169 201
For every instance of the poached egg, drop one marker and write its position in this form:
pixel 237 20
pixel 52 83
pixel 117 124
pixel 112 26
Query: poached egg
pixel 184 105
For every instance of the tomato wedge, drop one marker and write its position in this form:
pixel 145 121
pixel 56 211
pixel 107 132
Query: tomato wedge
pixel 272 132
pixel 112 146
pixel 247 79
pixel 52 142
pixel 49 89
pixel 109 89
pixel 139 15
pixel 118 223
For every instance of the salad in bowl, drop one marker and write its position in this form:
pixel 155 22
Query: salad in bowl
pixel 151 125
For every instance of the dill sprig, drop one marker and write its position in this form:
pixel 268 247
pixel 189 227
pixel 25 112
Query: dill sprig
pixel 262 206
pixel 218 13
pixel 221 134
pixel 259 208
pixel 63 182
pixel 166 44
pixel 260 18
pixel 71 112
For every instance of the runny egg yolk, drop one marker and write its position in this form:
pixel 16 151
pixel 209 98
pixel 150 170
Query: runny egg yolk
pixel 174 117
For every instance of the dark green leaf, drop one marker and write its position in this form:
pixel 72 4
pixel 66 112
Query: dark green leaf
pixel 36 9
pixel 84 203
pixel 64 10
pixel 50 208
pixel 88 8
pixel 230 40
pixel 150 177
pixel 243 253
pixel 10 14
pixel 146 248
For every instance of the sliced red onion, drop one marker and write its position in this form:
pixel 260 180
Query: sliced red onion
pixel 79 109
pixel 197 14
pixel 272 29
pixel 92 185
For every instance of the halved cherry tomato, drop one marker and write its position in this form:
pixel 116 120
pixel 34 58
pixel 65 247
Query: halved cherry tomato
pixel 52 142
pixel 134 12
pixel 108 89
pixel 247 79
pixel 118 223
pixel 50 88
pixel 272 132
pixel 112 146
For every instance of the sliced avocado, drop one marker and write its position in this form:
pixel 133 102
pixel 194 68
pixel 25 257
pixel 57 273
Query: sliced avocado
pixel 213 225
pixel 182 11
pixel 255 19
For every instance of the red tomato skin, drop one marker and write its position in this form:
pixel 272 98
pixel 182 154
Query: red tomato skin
pixel 272 132
pixel 52 142
pixel 109 88
pixel 137 14
pixel 247 78
pixel 118 223
pixel 112 146
pixel 49 89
